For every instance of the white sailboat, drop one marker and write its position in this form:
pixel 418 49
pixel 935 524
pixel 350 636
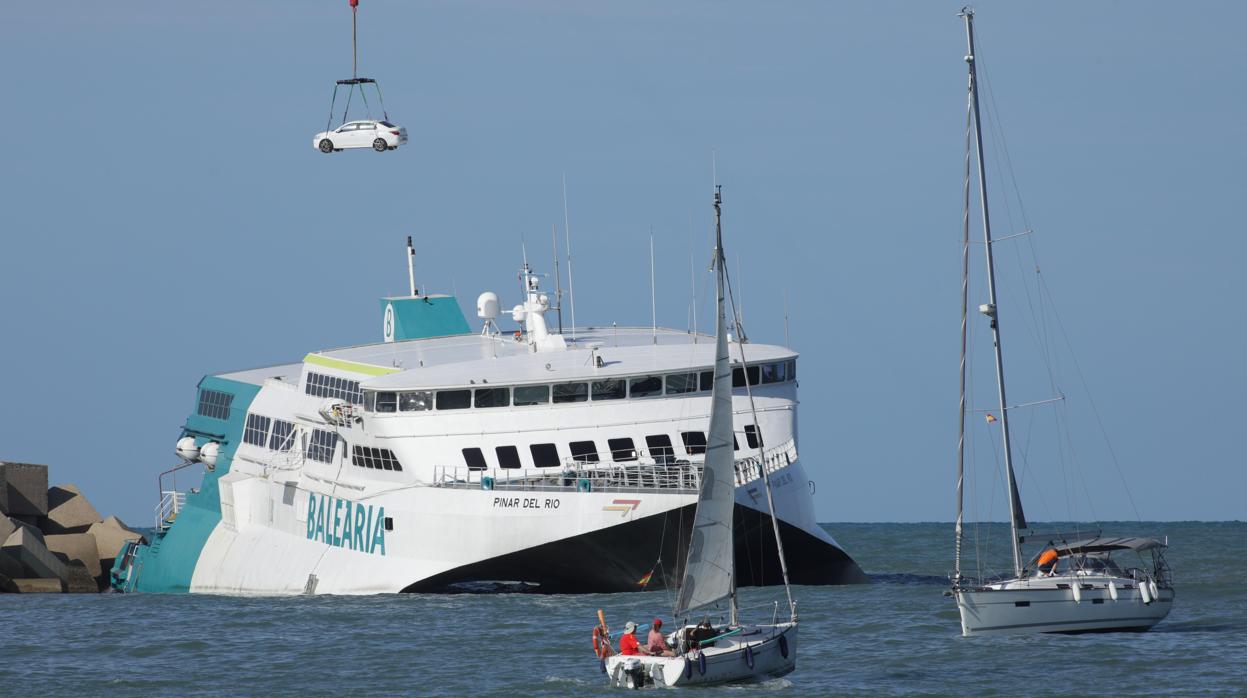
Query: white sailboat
pixel 704 653
pixel 1069 586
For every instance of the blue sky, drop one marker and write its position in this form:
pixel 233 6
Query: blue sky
pixel 165 216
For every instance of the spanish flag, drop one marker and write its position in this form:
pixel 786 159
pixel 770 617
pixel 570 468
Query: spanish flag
pixel 990 417
pixel 645 580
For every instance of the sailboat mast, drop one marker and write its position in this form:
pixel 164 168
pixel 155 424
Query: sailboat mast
pixel 965 310
pixel 720 272
pixel 991 309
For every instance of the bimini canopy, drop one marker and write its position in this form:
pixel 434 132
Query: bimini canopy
pixel 1104 544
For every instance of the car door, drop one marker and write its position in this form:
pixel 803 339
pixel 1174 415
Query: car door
pixel 349 133
pixel 367 133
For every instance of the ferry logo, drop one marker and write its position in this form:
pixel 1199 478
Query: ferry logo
pixel 345 524
pixel 624 506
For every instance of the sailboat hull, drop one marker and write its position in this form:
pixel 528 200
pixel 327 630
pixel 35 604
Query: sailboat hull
pixel 1048 605
pixel 758 653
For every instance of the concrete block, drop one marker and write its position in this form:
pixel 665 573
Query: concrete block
pixel 7 586
pixel 7 527
pixel 80 547
pixel 69 511
pixel 38 586
pixel 80 580
pixel 27 547
pixel 10 566
pixel 23 489
pixel 110 534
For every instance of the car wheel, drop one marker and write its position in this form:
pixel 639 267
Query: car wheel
pixel 326 145
pixel 380 145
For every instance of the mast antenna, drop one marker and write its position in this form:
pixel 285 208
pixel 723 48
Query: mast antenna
pixel 567 232
pixel 692 274
pixel 653 297
pixel 558 284
pixel 1017 520
pixel 411 267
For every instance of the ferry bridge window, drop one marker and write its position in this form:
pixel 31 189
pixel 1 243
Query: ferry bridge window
pixel 375 458
pixel 474 458
pixel 621 449
pixel 612 389
pixel 322 446
pixel 508 456
pixel 256 431
pixel 768 373
pixel 282 436
pixel 531 395
pixel 707 380
pixel 660 448
pixel 417 401
pixel 694 442
pixel 544 455
pixel 678 383
pixel 738 376
pixel 571 392
pixel 492 397
pixel 321 385
pixel 644 386
pixel 752 435
pixel 792 369
pixel 454 399
pixel 584 451
pixel 370 401
pixel 387 402
pixel 215 404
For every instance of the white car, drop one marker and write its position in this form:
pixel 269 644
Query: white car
pixel 378 135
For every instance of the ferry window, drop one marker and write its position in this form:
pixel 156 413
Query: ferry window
pixel 781 371
pixel 735 442
pixel 612 389
pixel 375 458
pixel 508 456
pixel 532 395
pixel 660 447
pixel 321 385
pixel 370 401
pixel 322 446
pixel 492 397
pixel 387 402
pixel 707 380
pixel 215 404
pixel 681 383
pixel 417 401
pixel 454 399
pixel 584 451
pixel 282 436
pixel 644 386
pixel 752 435
pixel 694 442
pixel 792 369
pixel 474 458
pixel 256 431
pixel 544 455
pixel 768 373
pixel 571 392
pixel 738 378
pixel 621 449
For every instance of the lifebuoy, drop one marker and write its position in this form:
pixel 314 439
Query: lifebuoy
pixel 601 644
pixel 701 663
pixel 783 645
pixel 749 656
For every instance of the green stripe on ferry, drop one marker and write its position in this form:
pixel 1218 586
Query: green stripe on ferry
pixel 352 366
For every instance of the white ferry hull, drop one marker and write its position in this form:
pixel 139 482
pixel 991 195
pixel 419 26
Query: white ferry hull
pixel 1054 610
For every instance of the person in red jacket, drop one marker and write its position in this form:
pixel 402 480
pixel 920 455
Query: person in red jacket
pixel 628 643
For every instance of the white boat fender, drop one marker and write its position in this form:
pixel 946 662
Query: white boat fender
pixel 1112 590
pixel 1144 593
pixel 1077 589
pixel 1151 587
pixel 783 645
pixel 749 656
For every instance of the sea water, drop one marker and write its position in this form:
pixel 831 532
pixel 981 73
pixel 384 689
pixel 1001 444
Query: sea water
pixel 898 635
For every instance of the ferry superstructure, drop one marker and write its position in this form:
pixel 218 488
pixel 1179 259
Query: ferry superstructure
pixel 443 456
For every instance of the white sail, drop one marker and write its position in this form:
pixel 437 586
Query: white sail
pixel 708 571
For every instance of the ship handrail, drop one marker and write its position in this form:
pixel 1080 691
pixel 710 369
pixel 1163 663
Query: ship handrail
pixel 171 504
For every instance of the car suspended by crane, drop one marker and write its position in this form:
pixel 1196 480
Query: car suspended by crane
pixel 379 134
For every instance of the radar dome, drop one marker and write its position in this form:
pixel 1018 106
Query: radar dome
pixel 487 305
pixel 186 449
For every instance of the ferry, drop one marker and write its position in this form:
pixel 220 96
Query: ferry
pixel 447 458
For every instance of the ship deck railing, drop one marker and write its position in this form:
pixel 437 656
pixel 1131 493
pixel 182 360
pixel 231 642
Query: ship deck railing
pixel 640 473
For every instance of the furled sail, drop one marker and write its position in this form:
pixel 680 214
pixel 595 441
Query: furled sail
pixel 708 570
pixel 1015 502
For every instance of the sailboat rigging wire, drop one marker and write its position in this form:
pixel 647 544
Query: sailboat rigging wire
pixel 567 233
